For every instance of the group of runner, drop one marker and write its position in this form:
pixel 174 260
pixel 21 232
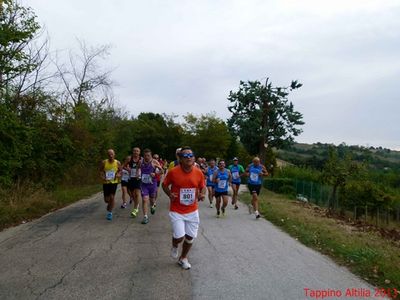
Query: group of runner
pixel 140 178
pixel 185 183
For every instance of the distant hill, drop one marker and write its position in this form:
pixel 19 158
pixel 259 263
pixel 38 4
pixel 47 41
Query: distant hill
pixel 315 155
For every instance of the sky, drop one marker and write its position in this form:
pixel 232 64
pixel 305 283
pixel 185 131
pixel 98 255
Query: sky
pixel 176 57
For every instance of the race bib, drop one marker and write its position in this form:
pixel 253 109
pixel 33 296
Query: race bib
pixel 133 172
pixel 235 175
pixel 222 184
pixel 110 175
pixel 187 196
pixel 254 177
pixel 146 178
pixel 125 175
pixel 210 178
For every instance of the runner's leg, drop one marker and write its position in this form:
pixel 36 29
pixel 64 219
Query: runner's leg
pixel 124 190
pixel 210 194
pixel 254 202
pixel 225 199
pixel 187 244
pixel 145 207
pixel 218 205
pixel 235 193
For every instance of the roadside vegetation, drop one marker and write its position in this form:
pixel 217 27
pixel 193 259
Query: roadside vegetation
pixel 27 203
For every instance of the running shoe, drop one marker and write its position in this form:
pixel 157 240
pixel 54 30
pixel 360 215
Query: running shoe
pixel 145 220
pixel 123 205
pixel 211 206
pixel 134 212
pixel 218 213
pixel 257 215
pixel 184 263
pixel 236 207
pixel 174 252
pixel 153 209
pixel 109 216
pixel 223 212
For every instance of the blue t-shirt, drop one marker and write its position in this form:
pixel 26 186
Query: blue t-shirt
pixel 236 171
pixel 210 173
pixel 222 184
pixel 254 174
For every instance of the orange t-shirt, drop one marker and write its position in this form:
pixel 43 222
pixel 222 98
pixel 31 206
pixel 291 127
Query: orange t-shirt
pixel 186 186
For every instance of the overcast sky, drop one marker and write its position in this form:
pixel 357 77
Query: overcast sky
pixel 185 56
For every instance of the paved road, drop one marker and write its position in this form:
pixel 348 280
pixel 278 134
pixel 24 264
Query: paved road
pixel 75 253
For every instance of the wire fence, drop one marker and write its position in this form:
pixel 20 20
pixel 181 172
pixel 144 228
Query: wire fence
pixel 321 195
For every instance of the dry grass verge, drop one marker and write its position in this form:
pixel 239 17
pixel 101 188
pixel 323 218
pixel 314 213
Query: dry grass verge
pixel 28 202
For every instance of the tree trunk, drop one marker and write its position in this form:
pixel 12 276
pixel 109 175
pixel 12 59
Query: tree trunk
pixel 261 150
pixel 264 125
pixel 332 199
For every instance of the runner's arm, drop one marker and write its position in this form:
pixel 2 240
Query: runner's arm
pixel 202 193
pixel 242 172
pixel 169 193
pixel 264 171
pixel 215 179
pixel 119 172
pixel 157 165
pixel 247 171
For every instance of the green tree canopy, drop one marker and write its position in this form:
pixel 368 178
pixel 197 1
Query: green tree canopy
pixel 156 132
pixel 262 116
pixel 18 26
pixel 208 135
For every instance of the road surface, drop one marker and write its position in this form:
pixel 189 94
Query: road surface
pixel 75 253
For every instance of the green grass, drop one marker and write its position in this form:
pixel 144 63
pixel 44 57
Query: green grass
pixel 366 254
pixel 27 203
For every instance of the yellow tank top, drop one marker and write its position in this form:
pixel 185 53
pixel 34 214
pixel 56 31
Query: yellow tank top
pixel 110 170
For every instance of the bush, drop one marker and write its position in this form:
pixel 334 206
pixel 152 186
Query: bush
pixel 298 173
pixel 287 190
pixel 275 184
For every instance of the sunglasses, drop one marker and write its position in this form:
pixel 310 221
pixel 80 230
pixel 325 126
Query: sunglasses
pixel 186 155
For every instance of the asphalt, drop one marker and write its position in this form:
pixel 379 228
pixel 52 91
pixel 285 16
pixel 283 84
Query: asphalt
pixel 75 253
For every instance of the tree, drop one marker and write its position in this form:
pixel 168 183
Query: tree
pixel 337 171
pixel 262 116
pixel 18 27
pixel 208 135
pixel 157 132
pixel 85 80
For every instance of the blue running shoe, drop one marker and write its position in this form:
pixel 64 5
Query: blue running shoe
pixel 109 216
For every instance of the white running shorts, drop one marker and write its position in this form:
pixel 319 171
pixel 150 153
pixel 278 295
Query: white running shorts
pixel 184 224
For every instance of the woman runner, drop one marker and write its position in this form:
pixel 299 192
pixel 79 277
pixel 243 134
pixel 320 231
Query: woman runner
pixel 222 179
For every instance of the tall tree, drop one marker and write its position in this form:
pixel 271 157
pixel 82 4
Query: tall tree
pixel 86 82
pixel 262 116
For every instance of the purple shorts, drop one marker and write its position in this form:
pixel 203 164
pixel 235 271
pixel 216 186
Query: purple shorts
pixel 149 189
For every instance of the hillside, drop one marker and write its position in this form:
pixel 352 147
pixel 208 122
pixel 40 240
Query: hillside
pixel 315 155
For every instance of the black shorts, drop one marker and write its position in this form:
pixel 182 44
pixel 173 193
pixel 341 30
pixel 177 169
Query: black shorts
pixel 109 189
pixel 124 183
pixel 254 188
pixel 236 183
pixel 134 184
pixel 219 194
